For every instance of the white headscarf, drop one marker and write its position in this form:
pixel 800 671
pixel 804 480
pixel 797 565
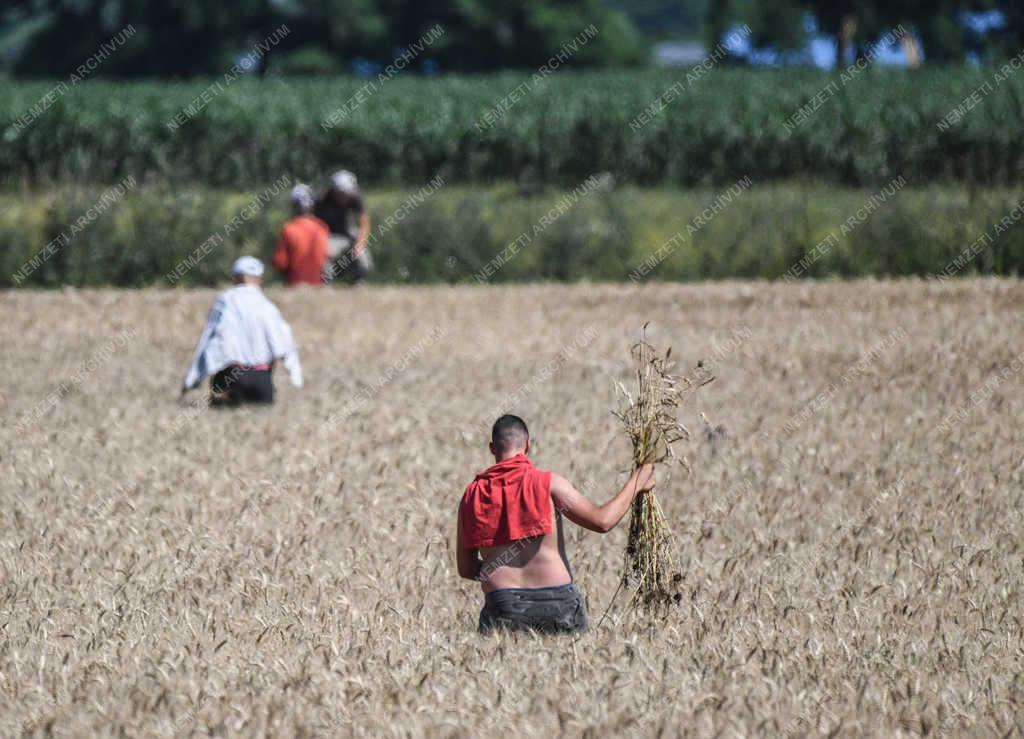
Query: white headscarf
pixel 344 181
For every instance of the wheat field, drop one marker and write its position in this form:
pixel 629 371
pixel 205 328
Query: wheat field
pixel 851 531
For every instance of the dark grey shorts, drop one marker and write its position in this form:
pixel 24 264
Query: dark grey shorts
pixel 553 610
pixel 233 386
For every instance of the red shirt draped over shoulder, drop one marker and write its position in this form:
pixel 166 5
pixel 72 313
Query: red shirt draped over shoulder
pixel 508 501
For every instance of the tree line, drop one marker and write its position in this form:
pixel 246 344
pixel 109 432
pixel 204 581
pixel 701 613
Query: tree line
pixel 182 38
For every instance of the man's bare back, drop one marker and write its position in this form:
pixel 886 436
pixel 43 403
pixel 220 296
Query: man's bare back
pixel 537 562
pixel 541 561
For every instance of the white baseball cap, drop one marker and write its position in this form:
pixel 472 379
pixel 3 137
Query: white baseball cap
pixel 302 195
pixel 249 266
pixel 344 181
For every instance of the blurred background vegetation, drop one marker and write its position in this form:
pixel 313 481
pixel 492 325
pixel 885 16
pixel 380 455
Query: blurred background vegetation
pixel 182 38
pixel 881 124
pixel 606 235
pixel 269 114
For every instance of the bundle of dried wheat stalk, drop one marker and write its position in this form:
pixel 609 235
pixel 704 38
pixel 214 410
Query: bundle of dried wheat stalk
pixel 651 422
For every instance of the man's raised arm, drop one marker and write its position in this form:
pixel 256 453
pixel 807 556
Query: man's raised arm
pixel 601 518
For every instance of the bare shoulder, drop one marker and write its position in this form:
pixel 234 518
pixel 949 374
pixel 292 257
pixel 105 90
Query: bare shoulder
pixel 559 484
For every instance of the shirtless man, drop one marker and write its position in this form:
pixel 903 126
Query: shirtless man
pixel 510 535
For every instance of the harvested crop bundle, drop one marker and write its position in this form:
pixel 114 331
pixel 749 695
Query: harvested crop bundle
pixel 650 419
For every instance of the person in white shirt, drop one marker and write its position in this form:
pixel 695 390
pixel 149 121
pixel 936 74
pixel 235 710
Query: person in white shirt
pixel 243 338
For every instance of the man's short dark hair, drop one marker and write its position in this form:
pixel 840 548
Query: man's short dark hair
pixel 509 432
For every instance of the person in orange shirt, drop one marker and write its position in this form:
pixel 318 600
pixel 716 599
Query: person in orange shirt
pixel 302 247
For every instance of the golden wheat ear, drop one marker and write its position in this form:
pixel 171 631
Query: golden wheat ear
pixel 650 419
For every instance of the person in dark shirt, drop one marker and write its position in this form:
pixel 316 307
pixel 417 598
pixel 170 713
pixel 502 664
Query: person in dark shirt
pixel 342 208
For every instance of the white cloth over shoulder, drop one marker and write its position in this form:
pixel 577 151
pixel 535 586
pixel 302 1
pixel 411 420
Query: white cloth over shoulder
pixel 245 328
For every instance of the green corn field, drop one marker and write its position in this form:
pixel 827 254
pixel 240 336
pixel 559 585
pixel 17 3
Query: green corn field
pixel 860 128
